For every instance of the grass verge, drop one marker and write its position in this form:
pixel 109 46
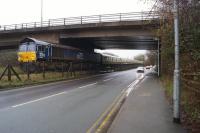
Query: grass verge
pixel 190 105
pixel 38 79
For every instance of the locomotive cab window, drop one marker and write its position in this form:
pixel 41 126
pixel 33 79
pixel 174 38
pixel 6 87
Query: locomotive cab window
pixel 23 48
pixel 31 47
pixel 41 48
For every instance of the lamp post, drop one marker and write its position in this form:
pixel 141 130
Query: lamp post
pixel 41 9
pixel 176 87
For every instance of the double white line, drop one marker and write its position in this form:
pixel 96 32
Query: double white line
pixel 133 84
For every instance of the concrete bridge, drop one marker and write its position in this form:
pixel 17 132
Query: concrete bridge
pixel 109 31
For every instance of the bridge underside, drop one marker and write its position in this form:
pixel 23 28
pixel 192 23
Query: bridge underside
pixel 90 43
pixel 110 35
pixel 116 42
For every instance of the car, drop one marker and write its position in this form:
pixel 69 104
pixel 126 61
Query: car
pixel 140 70
pixel 148 67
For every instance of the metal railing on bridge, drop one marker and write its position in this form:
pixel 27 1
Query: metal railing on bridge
pixel 118 17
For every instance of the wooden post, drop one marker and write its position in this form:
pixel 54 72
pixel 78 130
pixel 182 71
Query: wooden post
pixel 28 72
pixel 9 68
pixel 9 73
pixel 81 68
pixel 62 69
pixel 15 73
pixel 43 70
pixel 72 67
pixel 3 72
pixel 69 69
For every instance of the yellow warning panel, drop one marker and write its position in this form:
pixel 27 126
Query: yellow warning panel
pixel 29 56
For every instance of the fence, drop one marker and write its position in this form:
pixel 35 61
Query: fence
pixel 191 81
pixel 118 17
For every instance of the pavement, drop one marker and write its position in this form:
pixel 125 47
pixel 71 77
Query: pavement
pixel 146 110
pixel 62 107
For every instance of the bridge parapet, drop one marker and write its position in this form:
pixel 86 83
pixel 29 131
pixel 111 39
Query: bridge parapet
pixel 118 17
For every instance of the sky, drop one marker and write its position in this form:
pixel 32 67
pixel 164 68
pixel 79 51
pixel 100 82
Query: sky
pixel 22 11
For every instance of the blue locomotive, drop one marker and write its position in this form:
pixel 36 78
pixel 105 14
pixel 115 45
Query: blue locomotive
pixel 35 51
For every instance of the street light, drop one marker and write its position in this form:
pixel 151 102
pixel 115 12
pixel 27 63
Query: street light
pixel 41 11
pixel 176 88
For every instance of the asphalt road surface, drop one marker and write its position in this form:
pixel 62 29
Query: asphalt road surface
pixel 62 107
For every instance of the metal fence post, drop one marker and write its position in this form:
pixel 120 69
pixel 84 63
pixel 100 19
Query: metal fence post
pixel 81 20
pixel 49 23
pixel 64 21
pixel 176 89
pixel 142 15
pixel 120 17
pixel 99 18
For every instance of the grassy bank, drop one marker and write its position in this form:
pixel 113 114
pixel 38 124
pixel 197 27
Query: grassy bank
pixel 190 107
pixel 37 78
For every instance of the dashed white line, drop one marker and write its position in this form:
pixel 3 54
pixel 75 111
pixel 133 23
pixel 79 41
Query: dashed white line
pixel 43 98
pixel 107 79
pixel 87 85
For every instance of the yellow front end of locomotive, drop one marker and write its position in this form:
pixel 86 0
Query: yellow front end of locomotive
pixel 27 56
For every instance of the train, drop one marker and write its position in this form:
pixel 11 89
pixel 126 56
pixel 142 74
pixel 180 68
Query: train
pixel 32 50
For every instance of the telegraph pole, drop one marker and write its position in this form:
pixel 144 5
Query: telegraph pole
pixel 176 89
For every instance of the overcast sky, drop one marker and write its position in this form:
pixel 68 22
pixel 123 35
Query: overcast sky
pixel 20 11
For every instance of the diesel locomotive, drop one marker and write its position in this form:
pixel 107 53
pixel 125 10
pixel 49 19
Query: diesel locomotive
pixel 32 51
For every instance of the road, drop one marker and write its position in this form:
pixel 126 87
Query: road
pixel 62 107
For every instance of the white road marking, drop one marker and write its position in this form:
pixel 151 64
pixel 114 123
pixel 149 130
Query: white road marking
pixel 43 98
pixel 88 85
pixel 107 79
pixel 54 83
pixel 131 87
pixel 133 84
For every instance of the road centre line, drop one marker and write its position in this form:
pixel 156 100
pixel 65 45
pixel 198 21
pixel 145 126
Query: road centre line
pixel 43 98
pixel 54 83
pixel 107 79
pixel 87 85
